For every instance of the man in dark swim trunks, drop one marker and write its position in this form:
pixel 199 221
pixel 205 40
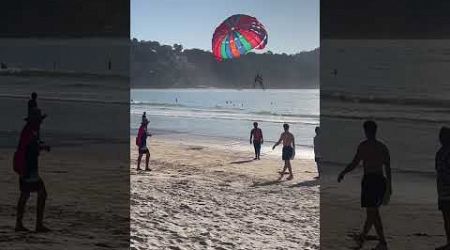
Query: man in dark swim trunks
pixel 30 181
pixel 257 136
pixel 443 181
pixel 288 150
pixel 143 149
pixel 375 189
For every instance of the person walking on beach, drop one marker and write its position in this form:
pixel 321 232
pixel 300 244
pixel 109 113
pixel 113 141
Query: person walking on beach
pixel 257 135
pixel 442 164
pixel 141 142
pixel 288 140
pixel 25 163
pixel 317 156
pixel 375 190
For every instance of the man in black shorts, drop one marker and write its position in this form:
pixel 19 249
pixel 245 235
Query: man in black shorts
pixel 29 180
pixel 375 189
pixel 288 150
pixel 256 137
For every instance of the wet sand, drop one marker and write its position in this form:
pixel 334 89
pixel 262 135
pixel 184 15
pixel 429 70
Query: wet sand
pixel 200 197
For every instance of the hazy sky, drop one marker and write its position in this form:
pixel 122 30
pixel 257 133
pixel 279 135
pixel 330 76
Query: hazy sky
pixel 292 25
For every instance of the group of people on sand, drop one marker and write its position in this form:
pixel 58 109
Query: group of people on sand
pixel 376 185
pixel 288 140
pixel 288 151
pixel 25 164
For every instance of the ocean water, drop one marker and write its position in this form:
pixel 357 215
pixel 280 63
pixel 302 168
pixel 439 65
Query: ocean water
pixel 401 84
pixel 227 115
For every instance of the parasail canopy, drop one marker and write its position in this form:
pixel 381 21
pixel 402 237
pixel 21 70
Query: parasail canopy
pixel 238 35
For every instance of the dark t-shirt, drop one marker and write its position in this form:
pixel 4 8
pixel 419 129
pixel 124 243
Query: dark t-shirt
pixel 443 173
pixel 31 159
pixel 31 105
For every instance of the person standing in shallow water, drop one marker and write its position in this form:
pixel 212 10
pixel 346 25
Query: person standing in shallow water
pixel 257 136
pixel 141 142
pixel 375 190
pixel 442 164
pixel 287 138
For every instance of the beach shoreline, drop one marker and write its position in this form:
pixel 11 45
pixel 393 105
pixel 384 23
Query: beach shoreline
pixel 198 196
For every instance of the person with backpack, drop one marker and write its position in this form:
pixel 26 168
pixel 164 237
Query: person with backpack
pixel 25 164
pixel 141 142
pixel 257 136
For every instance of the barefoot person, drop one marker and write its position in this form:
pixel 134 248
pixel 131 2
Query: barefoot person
pixel 257 136
pixel 26 160
pixel 443 181
pixel 141 142
pixel 317 156
pixel 288 150
pixel 374 189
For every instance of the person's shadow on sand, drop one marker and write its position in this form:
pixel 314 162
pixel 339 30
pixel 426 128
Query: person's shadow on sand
pixel 241 162
pixel 309 183
pixel 266 183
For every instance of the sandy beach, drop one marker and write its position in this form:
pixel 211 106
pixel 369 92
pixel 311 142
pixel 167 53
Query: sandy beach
pixel 198 196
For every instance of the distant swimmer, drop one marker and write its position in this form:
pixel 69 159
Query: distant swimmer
pixel 317 155
pixel 256 137
pixel 442 165
pixel 375 189
pixel 288 140
pixel 141 142
pixel 259 80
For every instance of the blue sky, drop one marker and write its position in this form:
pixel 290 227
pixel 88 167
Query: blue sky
pixel 292 25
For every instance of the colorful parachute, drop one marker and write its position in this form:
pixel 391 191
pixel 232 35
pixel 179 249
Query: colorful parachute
pixel 236 36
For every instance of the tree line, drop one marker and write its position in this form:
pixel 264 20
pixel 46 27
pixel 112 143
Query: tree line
pixel 154 65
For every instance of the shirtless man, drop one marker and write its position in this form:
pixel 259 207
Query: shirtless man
pixel 288 150
pixel 375 189
pixel 257 136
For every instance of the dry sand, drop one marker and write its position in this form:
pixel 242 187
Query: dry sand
pixel 79 191
pixel 200 197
